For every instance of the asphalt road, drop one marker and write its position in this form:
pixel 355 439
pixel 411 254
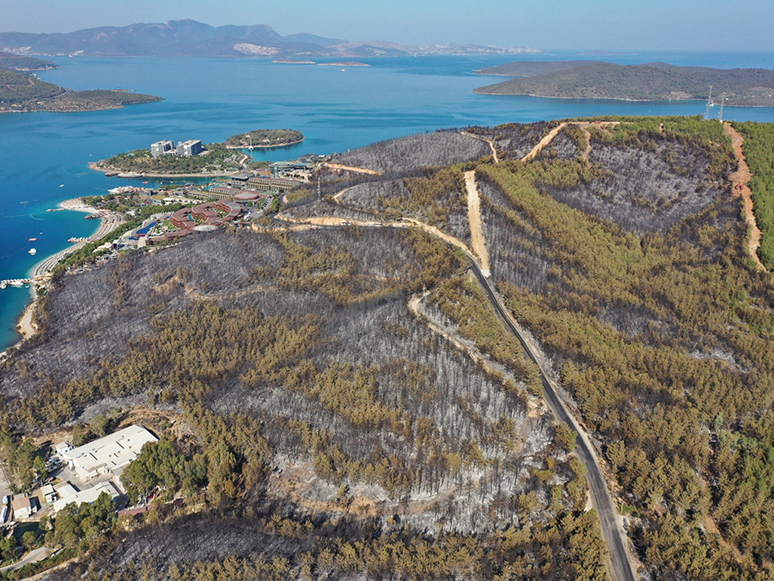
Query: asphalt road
pixel 31 557
pixel 612 531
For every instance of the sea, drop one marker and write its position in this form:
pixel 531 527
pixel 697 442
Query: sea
pixel 44 156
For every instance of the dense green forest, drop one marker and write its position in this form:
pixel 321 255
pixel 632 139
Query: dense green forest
pixel 17 62
pixel 759 152
pixel 265 138
pixel 23 92
pixel 18 88
pixel 650 82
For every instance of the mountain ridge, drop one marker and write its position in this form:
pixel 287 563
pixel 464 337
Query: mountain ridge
pixel 192 38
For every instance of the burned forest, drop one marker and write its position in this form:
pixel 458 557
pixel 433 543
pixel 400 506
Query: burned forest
pixel 341 396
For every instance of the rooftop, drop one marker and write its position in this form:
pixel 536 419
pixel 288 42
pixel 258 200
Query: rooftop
pixel 111 452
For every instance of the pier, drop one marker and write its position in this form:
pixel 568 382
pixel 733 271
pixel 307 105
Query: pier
pixel 15 282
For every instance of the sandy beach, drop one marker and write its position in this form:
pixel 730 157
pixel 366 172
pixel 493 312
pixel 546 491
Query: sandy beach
pixel 109 221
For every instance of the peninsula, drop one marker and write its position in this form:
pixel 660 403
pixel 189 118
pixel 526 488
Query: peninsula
pixel 646 82
pixel 18 62
pixel 194 159
pixel 23 93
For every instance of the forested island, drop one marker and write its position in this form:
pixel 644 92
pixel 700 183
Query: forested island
pixel 371 384
pixel 647 82
pixel 21 92
pixel 265 138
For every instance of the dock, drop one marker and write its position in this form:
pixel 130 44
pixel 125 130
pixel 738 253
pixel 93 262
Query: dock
pixel 15 282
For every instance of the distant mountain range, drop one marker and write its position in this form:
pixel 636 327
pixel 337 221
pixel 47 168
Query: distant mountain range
pixel 191 38
pixel 646 82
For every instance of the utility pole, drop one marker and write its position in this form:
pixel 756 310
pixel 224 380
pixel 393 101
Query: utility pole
pixel 709 105
pixel 722 104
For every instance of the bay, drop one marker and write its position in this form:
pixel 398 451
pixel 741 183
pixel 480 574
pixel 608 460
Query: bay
pixel 44 156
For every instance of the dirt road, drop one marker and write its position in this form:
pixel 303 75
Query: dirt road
pixel 739 180
pixel 548 138
pixel 495 158
pixel 353 169
pixel 474 219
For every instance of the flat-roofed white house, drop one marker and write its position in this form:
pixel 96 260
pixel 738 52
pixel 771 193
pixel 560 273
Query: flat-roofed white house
pixel 24 507
pixel 88 495
pixel 108 455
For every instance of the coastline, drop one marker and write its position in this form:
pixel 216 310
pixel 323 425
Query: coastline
pixel 109 221
pixel 94 165
pixel 289 143
pixel 625 99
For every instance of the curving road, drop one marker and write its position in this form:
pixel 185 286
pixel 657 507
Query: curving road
pixel 612 530
pixel 613 534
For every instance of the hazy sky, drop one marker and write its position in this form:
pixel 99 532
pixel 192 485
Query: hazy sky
pixel 547 24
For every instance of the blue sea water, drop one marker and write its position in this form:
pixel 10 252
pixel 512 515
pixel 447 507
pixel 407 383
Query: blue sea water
pixel 44 156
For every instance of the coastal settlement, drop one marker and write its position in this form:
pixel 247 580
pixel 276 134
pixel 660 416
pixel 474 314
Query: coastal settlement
pixel 136 217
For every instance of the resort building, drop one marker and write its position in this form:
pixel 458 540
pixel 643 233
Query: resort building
pixel 207 216
pixel 189 148
pixel 267 183
pixel 162 147
pixel 70 494
pixel 108 455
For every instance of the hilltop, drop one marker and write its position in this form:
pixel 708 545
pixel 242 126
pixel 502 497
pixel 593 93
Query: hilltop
pixel 191 38
pixel 20 92
pixel 429 366
pixel 647 82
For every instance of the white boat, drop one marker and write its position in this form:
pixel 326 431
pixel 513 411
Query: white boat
pixel 33 251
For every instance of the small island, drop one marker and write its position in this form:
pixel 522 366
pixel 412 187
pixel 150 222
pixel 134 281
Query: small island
pixel 192 158
pixel 646 82
pixel 23 93
pixel 265 138
pixel 344 64
pixel 290 61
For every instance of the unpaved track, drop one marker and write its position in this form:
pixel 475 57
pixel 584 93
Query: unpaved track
pixel 740 178
pixel 474 219
pixel 548 138
pixel 354 169
pixel 489 141
pixel 611 525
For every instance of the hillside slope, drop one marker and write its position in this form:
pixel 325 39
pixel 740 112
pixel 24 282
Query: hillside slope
pixel 651 82
pixel 338 397
pixel 22 92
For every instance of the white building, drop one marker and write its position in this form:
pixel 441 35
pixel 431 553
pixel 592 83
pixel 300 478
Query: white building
pixel 108 455
pixel 69 495
pixel 63 447
pixel 24 507
pixel 162 147
pixel 189 148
